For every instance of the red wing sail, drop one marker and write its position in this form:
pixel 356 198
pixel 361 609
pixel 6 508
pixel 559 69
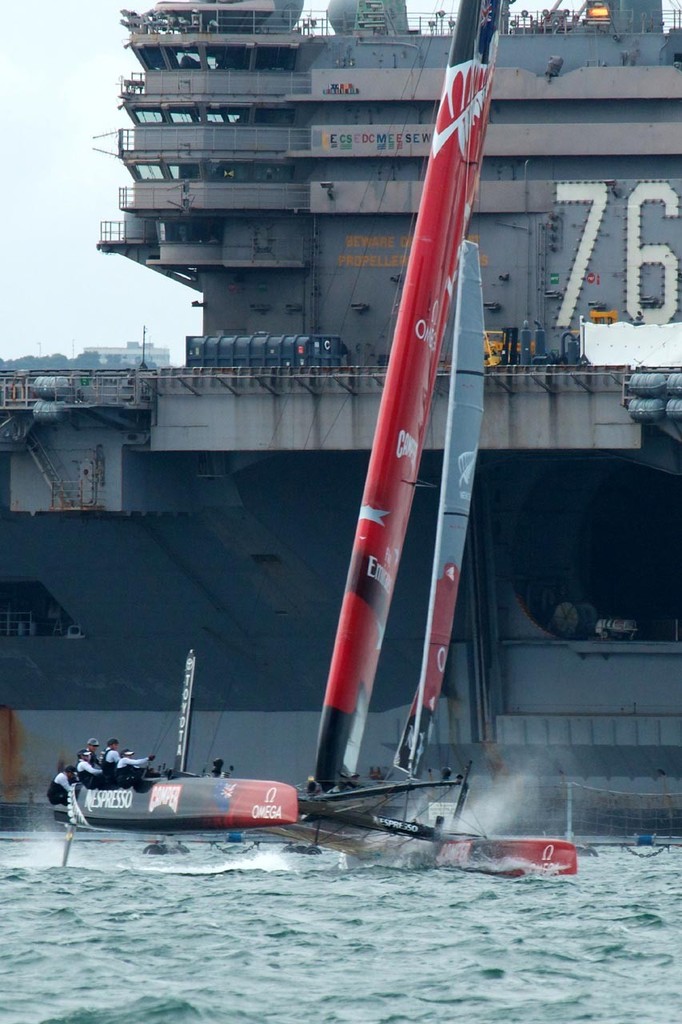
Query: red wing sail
pixel 449 189
pixel 465 412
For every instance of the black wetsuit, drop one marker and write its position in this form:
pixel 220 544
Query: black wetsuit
pixel 56 793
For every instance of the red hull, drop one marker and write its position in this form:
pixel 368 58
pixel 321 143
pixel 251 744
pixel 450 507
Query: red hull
pixel 510 857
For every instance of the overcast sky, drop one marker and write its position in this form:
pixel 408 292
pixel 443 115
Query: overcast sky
pixel 60 89
pixel 58 294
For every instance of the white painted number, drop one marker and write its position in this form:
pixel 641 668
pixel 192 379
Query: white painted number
pixel 660 254
pixel 594 193
pixel 639 254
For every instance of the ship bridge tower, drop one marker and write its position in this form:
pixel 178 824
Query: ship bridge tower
pixel 276 160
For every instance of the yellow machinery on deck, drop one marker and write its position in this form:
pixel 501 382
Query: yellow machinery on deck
pixel 604 316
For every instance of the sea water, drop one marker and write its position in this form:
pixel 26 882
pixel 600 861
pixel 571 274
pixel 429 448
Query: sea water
pixel 261 934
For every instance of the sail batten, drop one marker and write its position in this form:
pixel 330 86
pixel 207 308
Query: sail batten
pixel 449 190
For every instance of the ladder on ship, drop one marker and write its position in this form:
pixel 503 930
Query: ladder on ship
pixel 64 494
pixel 371 16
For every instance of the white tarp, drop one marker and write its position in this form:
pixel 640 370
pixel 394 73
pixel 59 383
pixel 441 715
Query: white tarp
pixel 633 345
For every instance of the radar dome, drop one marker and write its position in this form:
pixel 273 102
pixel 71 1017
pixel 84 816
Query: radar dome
pixel 342 15
pixel 286 14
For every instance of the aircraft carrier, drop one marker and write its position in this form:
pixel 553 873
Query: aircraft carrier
pixel 273 161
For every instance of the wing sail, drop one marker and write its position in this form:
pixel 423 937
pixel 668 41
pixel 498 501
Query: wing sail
pixel 462 434
pixel 449 189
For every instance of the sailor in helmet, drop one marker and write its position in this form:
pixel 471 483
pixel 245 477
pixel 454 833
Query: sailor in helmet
pixel 90 748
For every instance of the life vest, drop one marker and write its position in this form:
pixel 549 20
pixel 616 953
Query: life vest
pixel 128 775
pixel 56 794
pixel 90 780
pixel 108 769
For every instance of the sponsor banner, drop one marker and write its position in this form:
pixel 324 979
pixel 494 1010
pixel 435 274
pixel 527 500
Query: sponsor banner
pixel 165 795
pixel 108 799
pixel 372 140
pixel 270 811
pixel 407 446
pixel 405 828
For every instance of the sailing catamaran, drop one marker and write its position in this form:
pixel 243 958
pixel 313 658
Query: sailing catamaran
pixel 448 195
pixel 179 801
pixel 349 821
pixel 335 811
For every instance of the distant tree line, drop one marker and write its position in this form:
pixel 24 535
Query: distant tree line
pixel 83 361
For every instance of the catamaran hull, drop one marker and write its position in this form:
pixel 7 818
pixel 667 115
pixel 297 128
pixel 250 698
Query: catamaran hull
pixel 506 858
pixel 187 804
pixel 509 857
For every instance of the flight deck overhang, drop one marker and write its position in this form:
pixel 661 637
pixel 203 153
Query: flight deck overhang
pixel 104 447
pixel 526 408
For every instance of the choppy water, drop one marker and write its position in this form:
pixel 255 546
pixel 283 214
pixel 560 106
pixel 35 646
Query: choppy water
pixel 270 936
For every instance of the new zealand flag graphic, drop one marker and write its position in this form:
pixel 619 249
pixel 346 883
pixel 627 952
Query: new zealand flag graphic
pixel 488 21
pixel 223 794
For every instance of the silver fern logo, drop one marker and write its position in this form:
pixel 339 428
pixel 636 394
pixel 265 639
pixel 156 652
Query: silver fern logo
pixel 467 464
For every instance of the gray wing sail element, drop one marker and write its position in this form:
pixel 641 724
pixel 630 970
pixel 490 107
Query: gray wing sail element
pixel 463 429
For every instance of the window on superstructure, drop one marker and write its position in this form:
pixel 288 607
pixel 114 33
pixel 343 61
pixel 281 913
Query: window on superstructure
pixel 274 115
pixel 148 116
pixel 190 231
pixel 186 60
pixel 152 58
pixel 227 115
pixel 184 172
pixel 275 58
pixel 273 172
pixel 222 170
pixel 149 172
pixel 180 115
pixel 227 58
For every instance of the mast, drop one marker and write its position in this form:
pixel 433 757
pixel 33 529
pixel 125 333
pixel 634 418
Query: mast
pixel 449 189
pixel 462 434
pixel 185 720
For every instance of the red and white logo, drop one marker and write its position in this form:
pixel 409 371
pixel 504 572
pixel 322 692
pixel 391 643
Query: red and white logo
pixel 269 809
pixel 462 104
pixel 165 795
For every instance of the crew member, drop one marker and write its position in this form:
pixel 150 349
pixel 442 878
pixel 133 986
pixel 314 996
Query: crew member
pixel 58 790
pixel 110 760
pixel 89 774
pixel 92 746
pixel 130 769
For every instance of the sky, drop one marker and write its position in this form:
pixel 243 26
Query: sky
pixel 57 292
